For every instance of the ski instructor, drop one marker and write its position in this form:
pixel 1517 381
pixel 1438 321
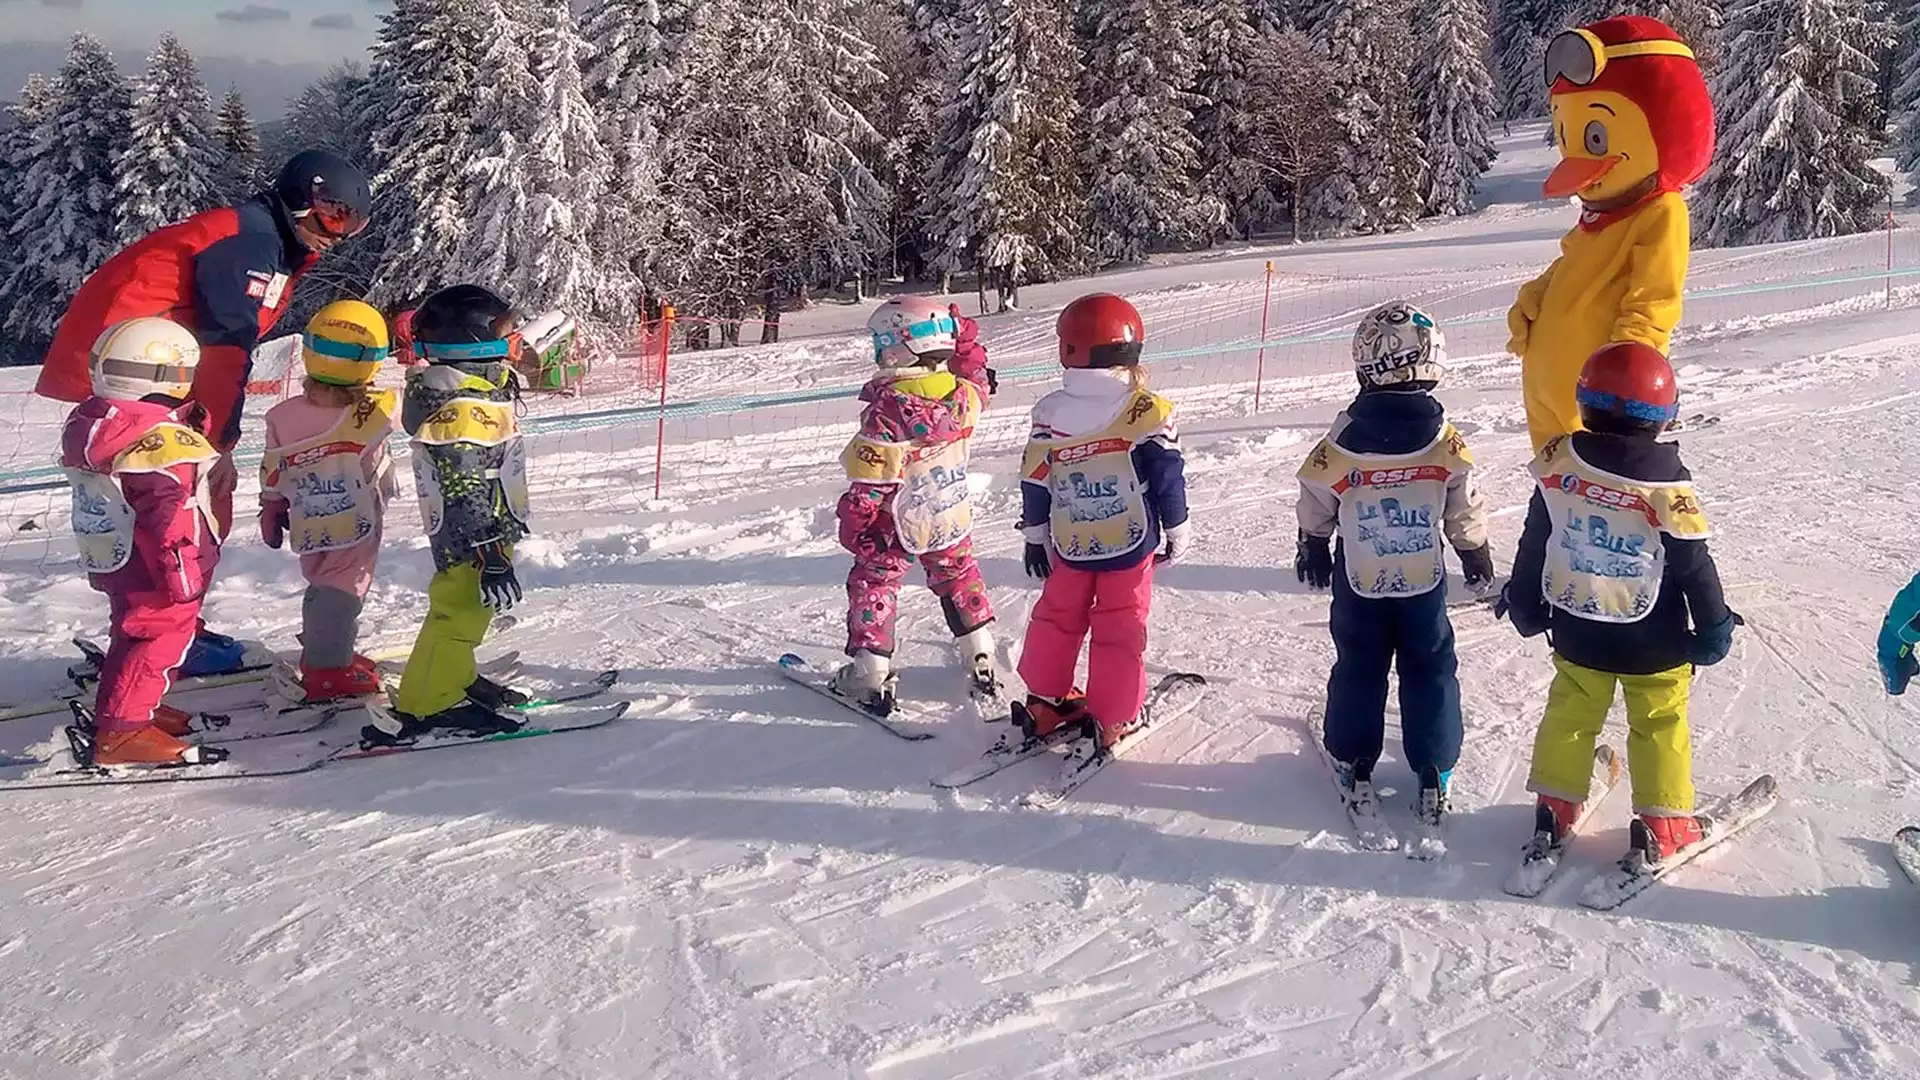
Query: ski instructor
pixel 227 275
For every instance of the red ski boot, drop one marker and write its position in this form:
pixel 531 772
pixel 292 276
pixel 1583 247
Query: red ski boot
pixel 148 745
pixel 175 722
pixel 1555 817
pixel 1047 718
pixel 331 684
pixel 1658 838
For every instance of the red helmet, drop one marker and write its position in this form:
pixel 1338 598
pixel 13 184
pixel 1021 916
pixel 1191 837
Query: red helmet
pixel 1100 331
pixel 1629 384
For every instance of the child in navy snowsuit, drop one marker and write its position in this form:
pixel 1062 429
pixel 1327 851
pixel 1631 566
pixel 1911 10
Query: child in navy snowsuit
pixel 1390 478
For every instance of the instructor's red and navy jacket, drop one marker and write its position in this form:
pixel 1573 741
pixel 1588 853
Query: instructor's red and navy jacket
pixel 226 274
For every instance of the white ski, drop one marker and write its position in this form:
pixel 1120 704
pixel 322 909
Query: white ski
pixel 1906 851
pixel 1010 749
pixel 532 726
pixel 799 672
pixel 1362 803
pixel 1723 820
pixel 1541 860
pixel 1171 698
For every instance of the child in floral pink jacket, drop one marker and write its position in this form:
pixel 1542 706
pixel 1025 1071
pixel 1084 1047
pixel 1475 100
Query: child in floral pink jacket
pixel 909 498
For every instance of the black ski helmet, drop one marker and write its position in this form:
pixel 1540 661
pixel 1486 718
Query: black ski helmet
pixel 464 315
pixel 327 186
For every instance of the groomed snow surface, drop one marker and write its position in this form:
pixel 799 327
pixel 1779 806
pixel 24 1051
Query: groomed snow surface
pixel 741 880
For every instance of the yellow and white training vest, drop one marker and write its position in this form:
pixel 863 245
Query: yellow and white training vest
pixel 332 505
pixel 480 422
pixel 103 520
pixel 932 503
pixel 1099 506
pixel 1606 558
pixel 1392 511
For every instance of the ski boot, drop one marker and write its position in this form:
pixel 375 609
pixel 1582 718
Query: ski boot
pixel 1430 806
pixel 493 695
pixel 983 681
pixel 868 682
pixel 1045 719
pixel 321 685
pixel 396 728
pixel 1652 839
pixel 1553 818
pixel 1355 781
pixel 145 746
pixel 212 654
pixel 175 722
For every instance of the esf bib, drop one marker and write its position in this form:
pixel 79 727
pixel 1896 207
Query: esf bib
pixel 331 503
pixel 932 504
pixel 1099 506
pixel 1606 556
pixel 480 423
pixel 1392 511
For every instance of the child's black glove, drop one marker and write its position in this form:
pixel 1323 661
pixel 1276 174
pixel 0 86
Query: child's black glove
pixel 1476 566
pixel 499 588
pixel 1039 561
pixel 1313 560
pixel 1531 622
pixel 1711 644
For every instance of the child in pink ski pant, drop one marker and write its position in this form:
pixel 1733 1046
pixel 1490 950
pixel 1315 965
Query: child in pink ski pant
pixel 1103 487
pixel 908 408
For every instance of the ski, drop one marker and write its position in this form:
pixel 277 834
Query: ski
pixel 1171 698
pixel 799 672
pixel 1906 851
pixel 1011 748
pixel 257 658
pixel 61 770
pixel 531 727
pixel 1362 803
pixel 1541 861
pixel 1723 820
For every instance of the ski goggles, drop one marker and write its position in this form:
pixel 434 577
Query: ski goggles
pixel 333 218
pixel 1579 56
pixel 1602 401
pixel 345 350
pixel 505 348
pixel 164 374
pixel 904 337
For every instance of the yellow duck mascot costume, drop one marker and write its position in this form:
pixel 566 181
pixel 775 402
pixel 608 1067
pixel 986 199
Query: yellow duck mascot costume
pixel 1634 125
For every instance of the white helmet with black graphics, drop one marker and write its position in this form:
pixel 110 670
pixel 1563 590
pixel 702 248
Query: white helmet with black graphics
pixel 1398 347
pixel 140 357
pixel 912 331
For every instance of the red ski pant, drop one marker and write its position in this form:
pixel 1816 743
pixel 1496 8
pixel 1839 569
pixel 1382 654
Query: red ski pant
pixel 1112 605
pixel 151 636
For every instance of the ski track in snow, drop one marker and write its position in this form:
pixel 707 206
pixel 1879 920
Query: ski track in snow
pixel 742 881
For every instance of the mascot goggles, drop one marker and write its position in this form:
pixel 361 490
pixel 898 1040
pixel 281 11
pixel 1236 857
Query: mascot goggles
pixel 904 338
pixel 1579 56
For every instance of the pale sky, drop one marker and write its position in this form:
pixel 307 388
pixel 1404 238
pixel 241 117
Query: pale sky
pixel 283 31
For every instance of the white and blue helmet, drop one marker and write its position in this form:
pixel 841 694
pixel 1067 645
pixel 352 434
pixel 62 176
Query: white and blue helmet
pixel 1397 344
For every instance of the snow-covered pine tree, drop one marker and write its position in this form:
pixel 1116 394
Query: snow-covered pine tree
pixel 17 146
pixel 1906 100
pixel 628 80
pixel 901 108
pixel 334 113
pixel 1380 164
pixel 171 169
pixel 938 29
pixel 1014 214
pixel 497 193
pixel 1138 123
pixel 424 86
pixel 65 228
pixel 1793 159
pixel 1697 22
pixel 241 171
pixel 1454 96
pixel 568 168
pixel 1226 43
pixel 1520 33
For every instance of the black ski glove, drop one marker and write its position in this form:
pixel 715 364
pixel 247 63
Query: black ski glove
pixel 1711 644
pixel 499 588
pixel 1313 560
pixel 1476 565
pixel 1039 561
pixel 993 381
pixel 1530 622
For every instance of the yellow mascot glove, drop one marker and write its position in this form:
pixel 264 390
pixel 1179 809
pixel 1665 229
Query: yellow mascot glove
pixel 1519 326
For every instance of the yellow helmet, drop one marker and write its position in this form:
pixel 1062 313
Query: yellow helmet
pixel 345 344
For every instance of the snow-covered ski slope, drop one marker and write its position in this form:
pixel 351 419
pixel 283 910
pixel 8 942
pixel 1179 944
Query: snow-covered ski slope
pixel 742 880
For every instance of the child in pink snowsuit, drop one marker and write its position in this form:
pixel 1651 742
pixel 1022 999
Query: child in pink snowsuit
pixel 1102 485
pixel 908 498
pixel 324 486
pixel 137 458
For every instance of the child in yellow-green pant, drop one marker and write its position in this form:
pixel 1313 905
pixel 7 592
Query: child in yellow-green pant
pixel 470 467
pixel 1613 563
